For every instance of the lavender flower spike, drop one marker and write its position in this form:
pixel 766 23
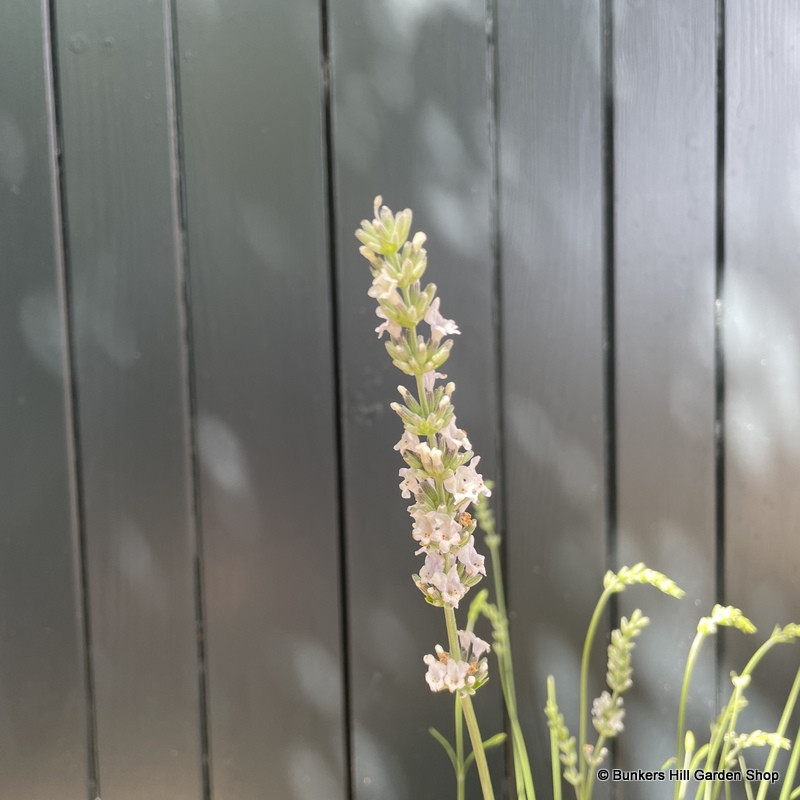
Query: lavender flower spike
pixel 441 474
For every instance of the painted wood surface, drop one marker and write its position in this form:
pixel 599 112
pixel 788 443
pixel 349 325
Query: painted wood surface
pixel 551 248
pixel 42 689
pixel 124 260
pixel 665 187
pixel 253 628
pixel 251 89
pixel 410 110
pixel 762 340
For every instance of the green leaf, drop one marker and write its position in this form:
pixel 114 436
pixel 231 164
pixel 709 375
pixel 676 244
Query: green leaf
pixel 492 741
pixel 477 605
pixel 447 747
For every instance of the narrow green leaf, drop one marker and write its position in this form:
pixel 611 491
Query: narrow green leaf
pixel 492 741
pixel 448 748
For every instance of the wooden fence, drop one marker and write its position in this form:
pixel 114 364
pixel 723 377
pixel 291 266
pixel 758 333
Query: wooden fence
pixel 204 559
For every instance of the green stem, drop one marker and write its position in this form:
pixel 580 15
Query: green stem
pixel 421 394
pixel 583 709
pixel 519 778
pixel 722 739
pixel 452 633
pixel 698 757
pixel 687 676
pixel 477 747
pixel 468 710
pixel 522 767
pixel 747 787
pixel 728 718
pixel 732 711
pixel 589 782
pixel 690 761
pixel 782 725
pixel 791 770
pixel 460 776
pixel 704 787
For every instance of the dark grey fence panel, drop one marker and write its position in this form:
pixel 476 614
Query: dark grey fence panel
pixel 240 386
pixel 550 162
pixel 42 688
pixel 263 356
pixel 762 352
pixel 410 121
pixel 665 179
pixel 120 179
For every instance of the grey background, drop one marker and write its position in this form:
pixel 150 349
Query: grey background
pixel 204 558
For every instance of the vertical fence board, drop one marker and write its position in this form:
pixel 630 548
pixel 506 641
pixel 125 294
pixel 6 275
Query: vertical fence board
pixel 120 206
pixel 254 146
pixel 762 342
pixel 410 121
pixel 410 109
pixel 550 161
pixel 42 692
pixel 665 158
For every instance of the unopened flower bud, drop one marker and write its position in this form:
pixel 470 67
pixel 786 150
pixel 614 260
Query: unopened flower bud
pixel 369 254
pixel 385 215
pixel 367 235
pixel 442 354
pixel 408 398
pixel 402 223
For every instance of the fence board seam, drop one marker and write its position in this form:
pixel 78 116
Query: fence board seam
pixel 607 110
pixel 500 492
pixel 75 466
pixel 326 70
pixel 186 349
pixel 609 280
pixel 719 352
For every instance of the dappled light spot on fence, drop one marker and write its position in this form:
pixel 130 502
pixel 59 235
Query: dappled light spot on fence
pixel 378 773
pixel 222 455
pixel 13 151
pixel 42 328
pixel 763 360
pixel 318 673
pixel 310 775
pixel 138 565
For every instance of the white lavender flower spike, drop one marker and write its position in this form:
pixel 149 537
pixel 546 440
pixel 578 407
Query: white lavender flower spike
pixel 441 475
